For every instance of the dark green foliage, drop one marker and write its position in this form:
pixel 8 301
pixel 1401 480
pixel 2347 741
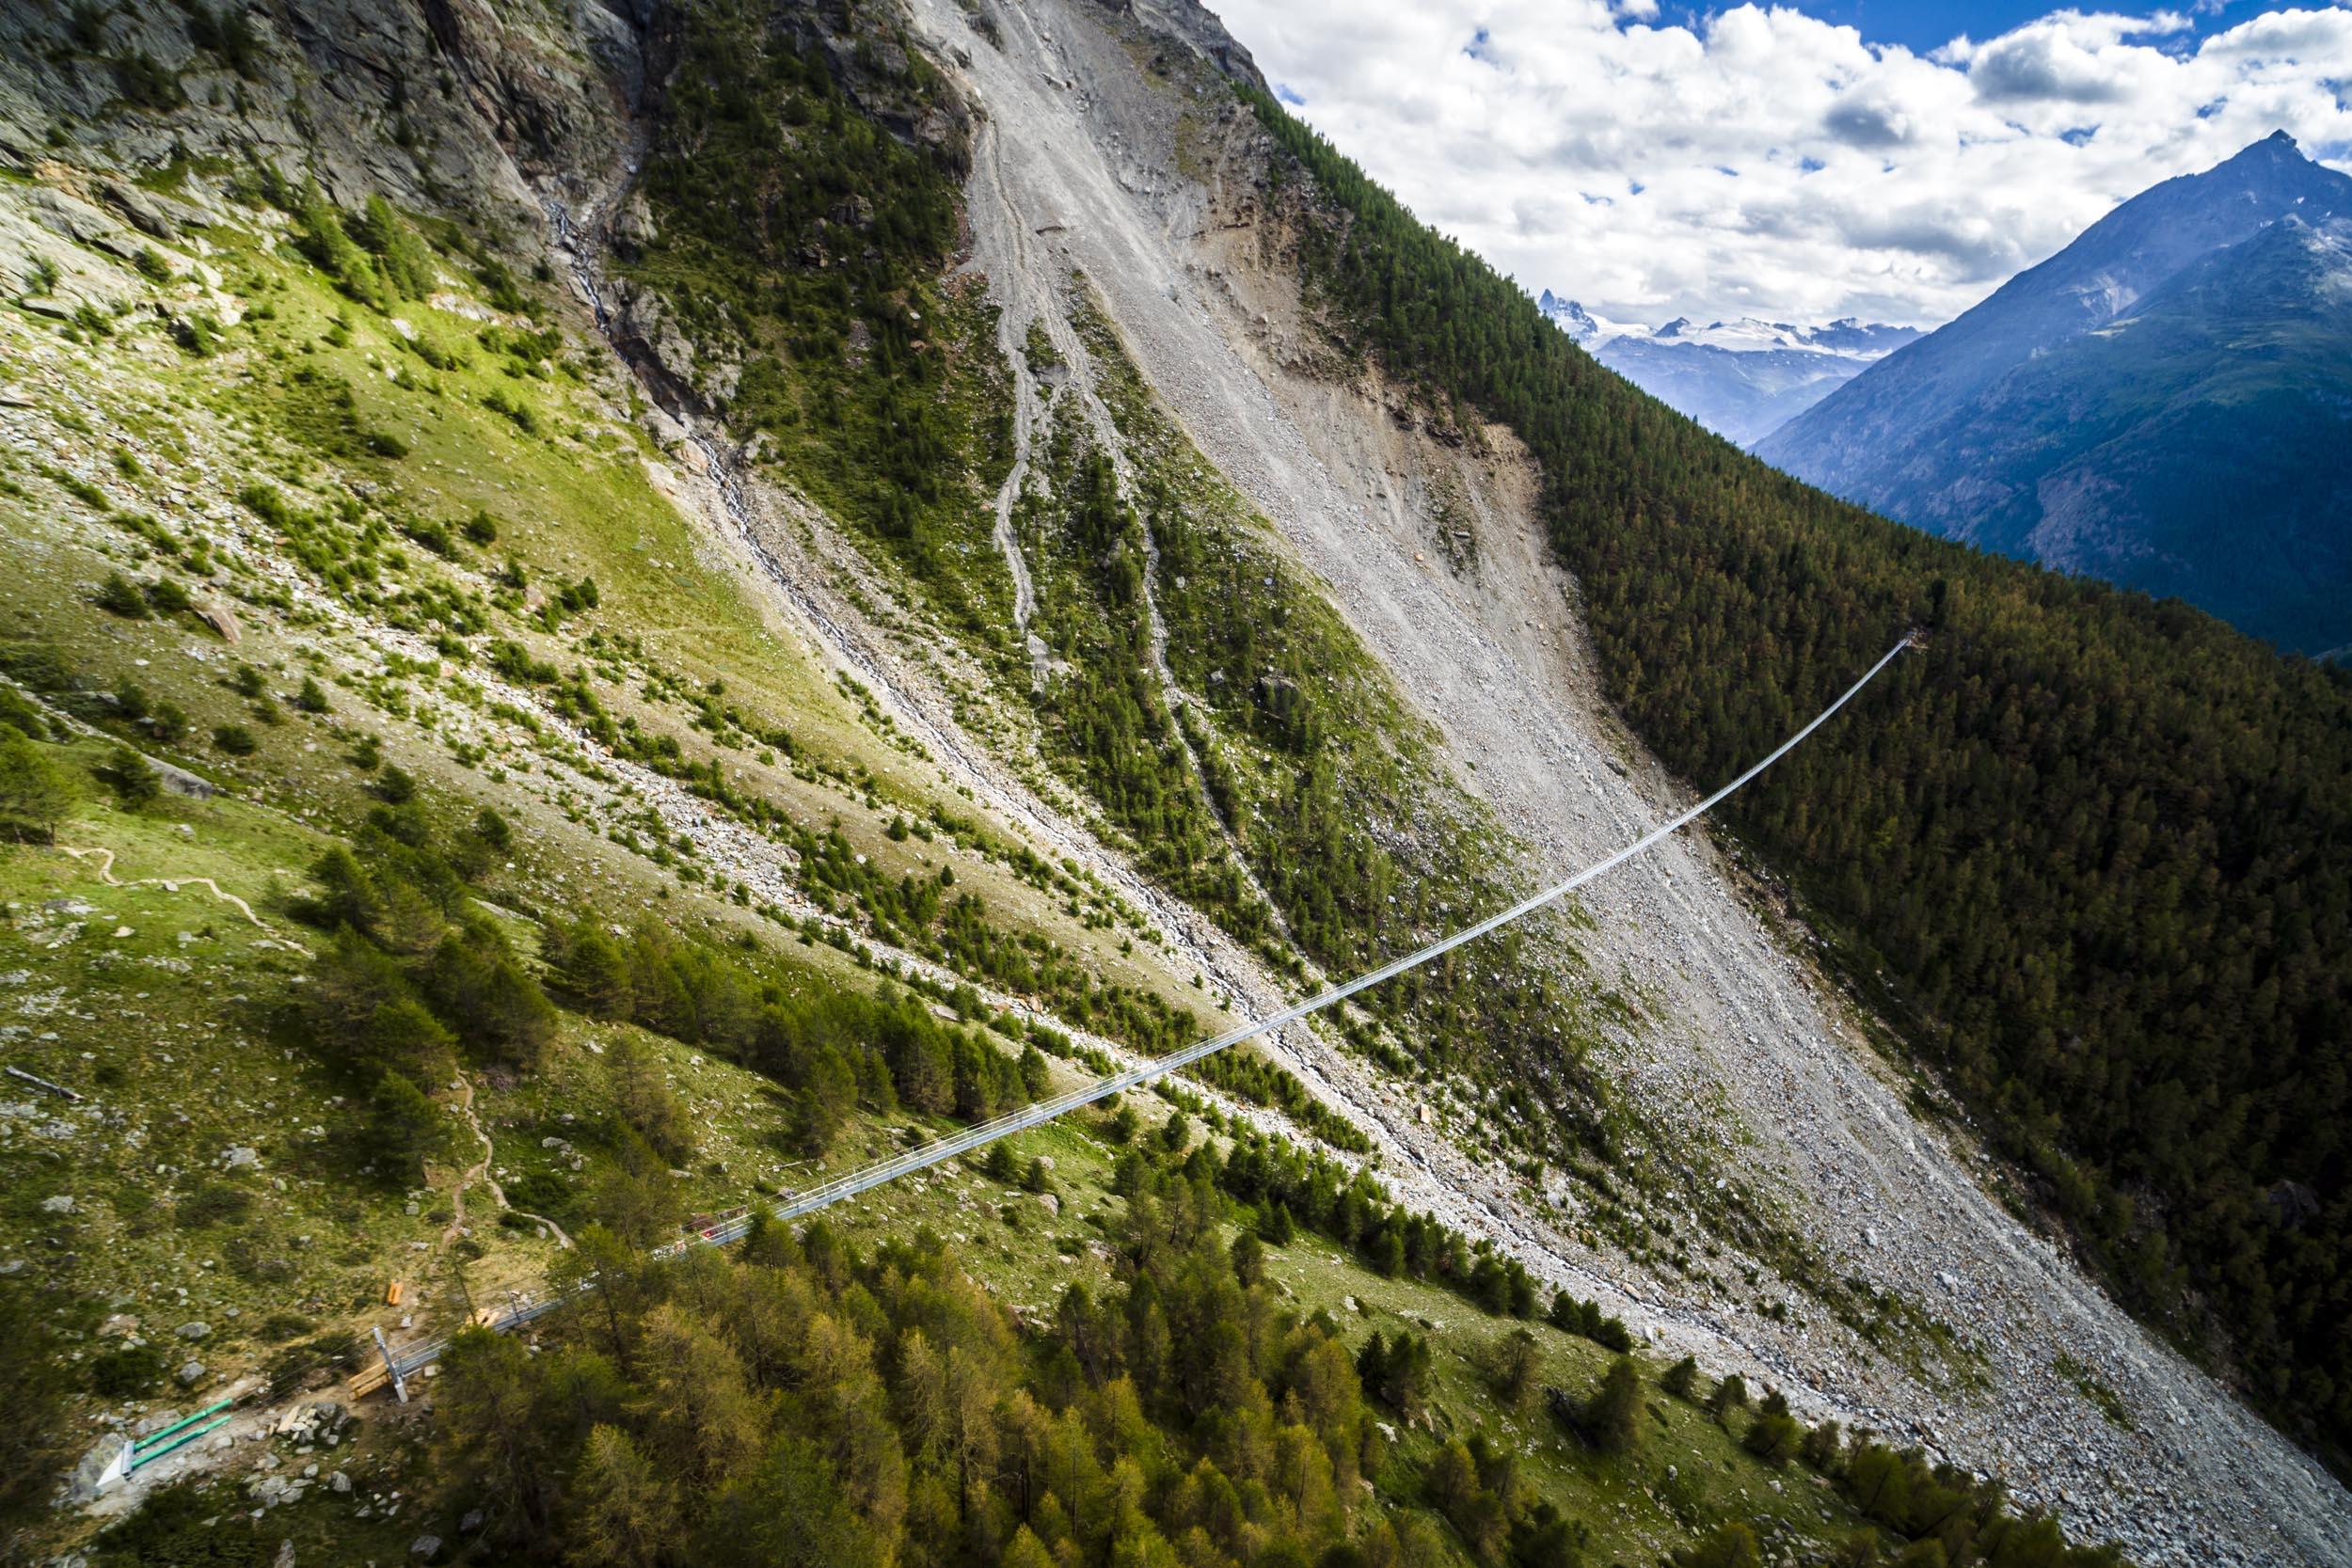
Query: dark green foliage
pixel 2101 849
pixel 36 793
pixel 1680 1378
pixel 1612 1419
pixel 477 983
pixel 1248 1254
pixel 34 1392
pixel 1396 1373
pixel 330 248
pixel 1475 1485
pixel 117 595
pixel 1585 1318
pixel 1822 1447
pixel 1774 1436
pixel 1728 1545
pixel 86 25
pixel 1513 1368
pixel 1279 674
pixel 128 775
pixel 998 1163
pixel 182 1526
pixel 405 1128
pixel 214 1203
pixel 394 786
pixel 235 739
pixel 514 408
pixel 126 1371
pixel 919 914
pixel 838 1049
pixel 227 34
pixel 824 1408
pixel 320 409
pixel 645 1102
pixel 802 230
pixel 1292 1186
pixel 1107 711
pixel 146 84
pixel 1950 1516
pixel 412 968
pixel 402 260
pixel 17 712
pixel 197 334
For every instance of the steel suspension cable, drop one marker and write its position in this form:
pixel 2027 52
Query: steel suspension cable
pixel 866 1178
pixel 1042 1111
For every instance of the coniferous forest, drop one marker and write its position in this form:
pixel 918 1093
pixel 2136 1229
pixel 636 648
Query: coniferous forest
pixel 2093 852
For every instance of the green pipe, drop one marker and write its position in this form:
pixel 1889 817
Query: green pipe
pixel 139 1458
pixel 159 1436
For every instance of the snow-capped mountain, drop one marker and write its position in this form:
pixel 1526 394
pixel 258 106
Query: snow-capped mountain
pixel 1742 378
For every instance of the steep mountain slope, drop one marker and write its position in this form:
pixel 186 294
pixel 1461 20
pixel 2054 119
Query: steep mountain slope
pixel 1969 864
pixel 1742 379
pixel 2161 404
pixel 919 461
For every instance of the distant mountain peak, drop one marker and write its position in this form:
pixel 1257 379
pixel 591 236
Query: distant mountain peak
pixel 1740 377
pixel 1570 318
pixel 2161 403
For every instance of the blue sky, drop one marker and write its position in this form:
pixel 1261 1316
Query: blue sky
pixel 1922 25
pixel 1894 160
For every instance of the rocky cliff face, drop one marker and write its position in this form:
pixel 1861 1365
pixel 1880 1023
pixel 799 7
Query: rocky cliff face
pixel 1116 277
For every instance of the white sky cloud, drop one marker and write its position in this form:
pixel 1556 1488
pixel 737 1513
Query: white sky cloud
pixel 1762 161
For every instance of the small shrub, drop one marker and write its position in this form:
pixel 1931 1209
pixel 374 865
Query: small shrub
pixel 149 85
pixel 196 335
pixel 117 595
pixel 127 773
pixel 126 1371
pixel 214 1203
pixel 515 410
pixel 236 740
pixel 278 1327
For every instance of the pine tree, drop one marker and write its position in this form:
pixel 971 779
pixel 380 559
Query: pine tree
pixel 35 793
pixel 407 1128
pixel 1613 1416
pixel 624 1511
